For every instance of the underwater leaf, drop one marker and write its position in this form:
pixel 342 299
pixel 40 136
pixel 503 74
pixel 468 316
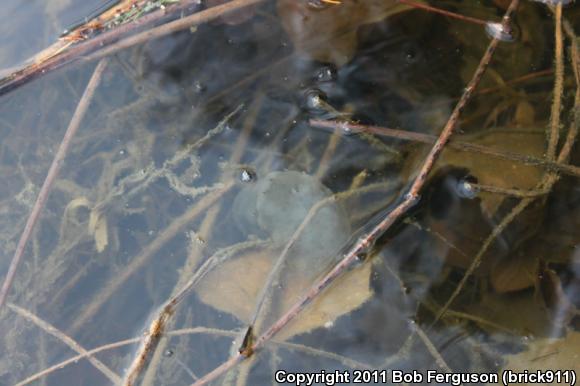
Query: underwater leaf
pixel 548 354
pixel 328 32
pixel 515 272
pixel 234 287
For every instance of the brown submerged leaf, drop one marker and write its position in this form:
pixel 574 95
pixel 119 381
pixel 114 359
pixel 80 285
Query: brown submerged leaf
pixel 328 33
pixel 234 287
pixel 516 272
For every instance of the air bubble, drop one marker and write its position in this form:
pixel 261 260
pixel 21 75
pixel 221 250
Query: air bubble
pixel 315 99
pixel 346 129
pixel 466 188
pixel 198 87
pixel 326 74
pixel 414 198
pixel 168 353
pixel 361 256
pixel 247 175
pixel 410 57
pixel 499 32
pixel 317 4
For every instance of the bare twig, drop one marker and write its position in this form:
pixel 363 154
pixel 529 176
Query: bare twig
pixel 510 192
pixel 453 15
pixel 364 243
pixel 519 79
pixel 51 176
pixel 458 145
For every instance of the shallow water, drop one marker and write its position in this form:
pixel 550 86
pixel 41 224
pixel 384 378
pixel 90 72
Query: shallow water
pixel 196 159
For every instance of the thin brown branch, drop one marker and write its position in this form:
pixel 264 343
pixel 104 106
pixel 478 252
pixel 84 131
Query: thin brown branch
pixel 520 79
pixel 53 171
pixel 440 11
pixel 458 145
pixel 510 192
pixel 365 242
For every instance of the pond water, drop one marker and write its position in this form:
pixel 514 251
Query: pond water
pixel 206 170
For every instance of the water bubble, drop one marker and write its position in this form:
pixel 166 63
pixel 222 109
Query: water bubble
pixel 326 74
pixel 499 32
pixel 361 256
pixel 168 353
pixel 410 57
pixel 315 99
pixel 247 175
pixel 345 128
pixel 466 188
pixel 414 198
pixel 198 87
pixel 317 4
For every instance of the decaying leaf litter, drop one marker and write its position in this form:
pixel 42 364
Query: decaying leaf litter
pixel 147 227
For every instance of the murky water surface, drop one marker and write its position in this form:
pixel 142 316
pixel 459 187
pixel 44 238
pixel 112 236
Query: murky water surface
pixel 198 163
